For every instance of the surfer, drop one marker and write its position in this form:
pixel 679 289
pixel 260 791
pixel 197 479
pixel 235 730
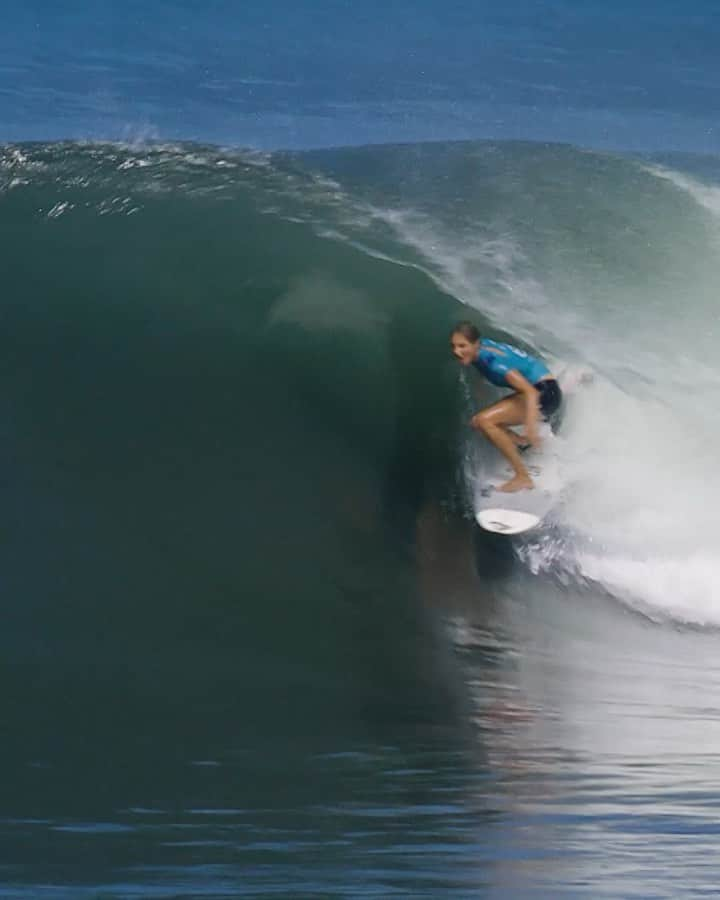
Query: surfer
pixel 535 393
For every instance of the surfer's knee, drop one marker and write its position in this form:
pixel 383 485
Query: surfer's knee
pixel 483 423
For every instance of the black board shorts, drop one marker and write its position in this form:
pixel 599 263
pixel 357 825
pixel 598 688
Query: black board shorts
pixel 550 399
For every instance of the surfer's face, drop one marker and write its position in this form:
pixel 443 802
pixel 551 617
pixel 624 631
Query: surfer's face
pixel 464 350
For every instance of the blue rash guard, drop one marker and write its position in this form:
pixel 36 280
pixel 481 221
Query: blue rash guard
pixel 495 363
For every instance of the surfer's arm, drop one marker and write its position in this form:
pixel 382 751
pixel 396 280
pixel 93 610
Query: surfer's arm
pixel 520 384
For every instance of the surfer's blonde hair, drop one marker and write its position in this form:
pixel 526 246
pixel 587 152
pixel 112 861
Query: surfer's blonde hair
pixel 469 331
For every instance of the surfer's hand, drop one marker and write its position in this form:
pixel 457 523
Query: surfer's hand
pixel 532 436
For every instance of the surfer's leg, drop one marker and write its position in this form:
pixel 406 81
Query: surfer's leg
pixel 493 422
pixel 519 440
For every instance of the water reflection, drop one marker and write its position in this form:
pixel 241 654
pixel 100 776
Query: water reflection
pixel 493 734
pixel 600 730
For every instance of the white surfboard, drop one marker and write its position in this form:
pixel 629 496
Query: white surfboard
pixel 506 521
pixel 516 513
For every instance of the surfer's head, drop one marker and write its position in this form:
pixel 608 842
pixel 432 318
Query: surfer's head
pixel 465 342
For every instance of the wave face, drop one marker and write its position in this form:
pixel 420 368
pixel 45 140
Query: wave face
pixel 191 369
pixel 216 359
pixel 235 514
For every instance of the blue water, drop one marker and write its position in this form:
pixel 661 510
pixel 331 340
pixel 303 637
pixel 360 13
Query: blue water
pixel 278 74
pixel 253 643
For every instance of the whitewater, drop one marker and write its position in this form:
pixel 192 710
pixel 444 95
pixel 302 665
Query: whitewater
pixel 614 277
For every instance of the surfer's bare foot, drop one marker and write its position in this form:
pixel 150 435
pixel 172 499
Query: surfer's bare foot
pixel 518 483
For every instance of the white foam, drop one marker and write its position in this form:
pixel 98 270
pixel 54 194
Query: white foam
pixel 684 588
pixel 475 269
pixel 706 195
pixel 641 467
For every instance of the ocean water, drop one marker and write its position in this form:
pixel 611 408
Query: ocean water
pixel 617 75
pixel 253 643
